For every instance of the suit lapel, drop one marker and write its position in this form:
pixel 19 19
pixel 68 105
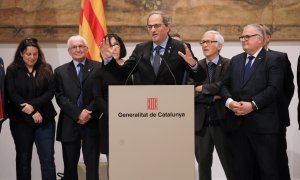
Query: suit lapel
pixel 166 55
pixel 202 63
pixel 147 57
pixel 218 69
pixel 255 65
pixel 73 73
pixel 88 68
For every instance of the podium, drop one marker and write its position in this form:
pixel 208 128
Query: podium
pixel 151 132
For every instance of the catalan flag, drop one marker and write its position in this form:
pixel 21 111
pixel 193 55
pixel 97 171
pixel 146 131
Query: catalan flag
pixel 92 25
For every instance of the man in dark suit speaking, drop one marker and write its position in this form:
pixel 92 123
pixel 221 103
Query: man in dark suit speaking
pixel 160 61
pixel 76 94
pixel 251 90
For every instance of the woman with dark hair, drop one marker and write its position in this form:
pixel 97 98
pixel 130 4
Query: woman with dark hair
pixel 110 77
pixel 30 88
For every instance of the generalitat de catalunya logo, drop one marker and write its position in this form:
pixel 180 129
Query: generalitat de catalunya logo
pixel 152 103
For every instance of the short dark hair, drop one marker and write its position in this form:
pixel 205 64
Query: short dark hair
pixel 165 18
pixel 120 41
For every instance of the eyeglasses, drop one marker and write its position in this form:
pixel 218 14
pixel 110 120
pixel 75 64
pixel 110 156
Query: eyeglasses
pixel 30 40
pixel 155 26
pixel 246 37
pixel 79 46
pixel 207 42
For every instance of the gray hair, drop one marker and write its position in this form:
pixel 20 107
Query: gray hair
pixel 218 36
pixel 165 18
pixel 258 30
pixel 76 38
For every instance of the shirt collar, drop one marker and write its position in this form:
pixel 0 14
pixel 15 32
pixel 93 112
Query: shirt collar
pixel 215 60
pixel 255 55
pixel 77 62
pixel 163 44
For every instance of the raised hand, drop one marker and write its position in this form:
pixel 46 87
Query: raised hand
pixel 188 57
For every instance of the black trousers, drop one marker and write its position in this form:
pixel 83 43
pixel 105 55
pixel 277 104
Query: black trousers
pixel 209 138
pixel 255 150
pixel 91 154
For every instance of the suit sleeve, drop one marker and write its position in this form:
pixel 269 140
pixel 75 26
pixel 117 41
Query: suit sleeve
pixel 66 105
pixel 274 85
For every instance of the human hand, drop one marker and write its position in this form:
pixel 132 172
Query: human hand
pixel 106 50
pixel 27 108
pixel 37 117
pixel 84 116
pixel 188 58
pixel 244 109
pixel 198 88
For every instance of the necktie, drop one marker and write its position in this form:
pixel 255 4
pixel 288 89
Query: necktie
pixel 247 67
pixel 80 77
pixel 211 70
pixel 156 59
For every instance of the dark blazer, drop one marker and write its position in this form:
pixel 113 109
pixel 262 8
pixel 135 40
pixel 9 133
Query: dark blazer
pixel 144 73
pixel 68 90
pixel 204 100
pixel 108 78
pixel 262 85
pixel 288 89
pixel 2 77
pixel 298 84
pixel 18 85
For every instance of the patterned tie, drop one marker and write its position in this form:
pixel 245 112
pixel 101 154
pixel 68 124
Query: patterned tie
pixel 156 59
pixel 211 70
pixel 247 67
pixel 80 77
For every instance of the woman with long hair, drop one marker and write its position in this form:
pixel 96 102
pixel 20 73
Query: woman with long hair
pixel 30 88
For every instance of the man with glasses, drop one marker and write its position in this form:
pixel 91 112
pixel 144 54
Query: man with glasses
pixel 250 90
pixel 77 90
pixel 209 109
pixel 160 61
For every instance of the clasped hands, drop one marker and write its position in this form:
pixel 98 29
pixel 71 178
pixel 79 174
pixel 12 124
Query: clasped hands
pixel 240 108
pixel 84 116
pixel 28 109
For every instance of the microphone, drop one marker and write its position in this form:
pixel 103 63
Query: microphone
pixel 163 59
pixel 131 72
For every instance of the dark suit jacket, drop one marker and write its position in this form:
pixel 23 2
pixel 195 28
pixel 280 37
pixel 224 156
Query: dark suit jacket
pixel 262 85
pixel 2 76
pixel 19 85
pixel 144 73
pixel 288 89
pixel 204 100
pixel 298 84
pixel 68 90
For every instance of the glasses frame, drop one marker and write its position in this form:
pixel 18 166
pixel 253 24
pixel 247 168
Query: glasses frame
pixel 247 37
pixel 207 42
pixel 155 26
pixel 78 46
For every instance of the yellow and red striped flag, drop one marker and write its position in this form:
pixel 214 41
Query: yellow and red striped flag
pixel 92 25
